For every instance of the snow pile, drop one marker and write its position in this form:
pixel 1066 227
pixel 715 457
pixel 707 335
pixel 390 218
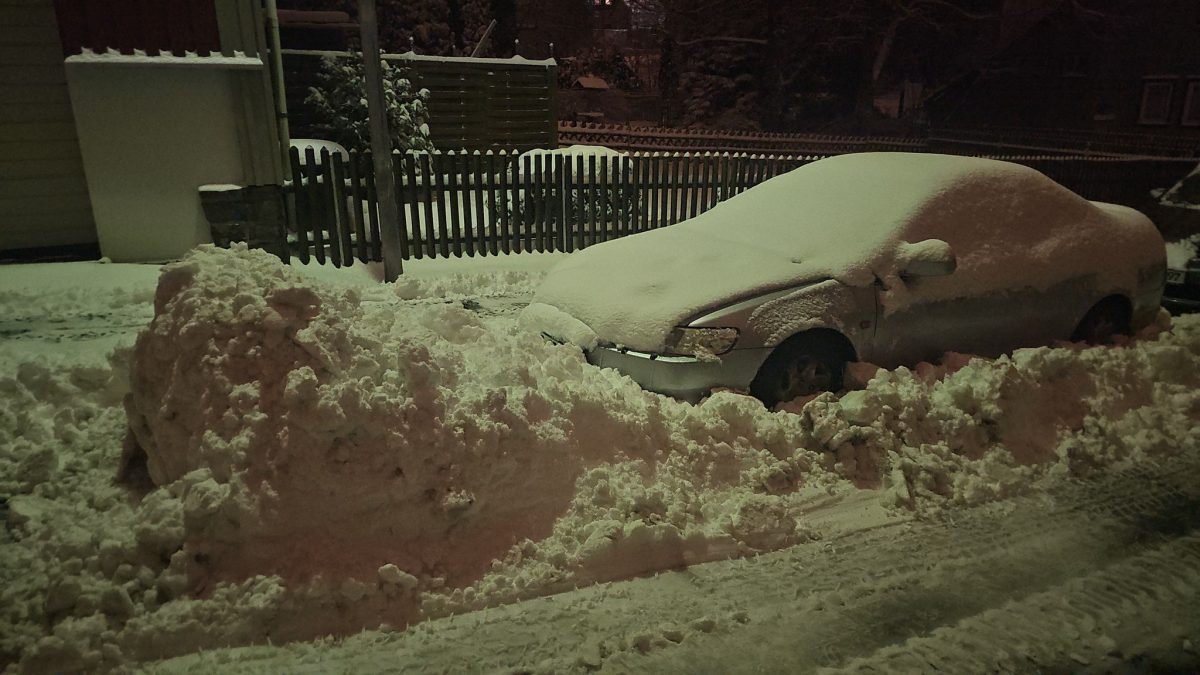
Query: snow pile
pixel 991 429
pixel 468 286
pixel 320 438
pixel 307 459
pixel 89 580
pixel 44 290
pixel 1179 253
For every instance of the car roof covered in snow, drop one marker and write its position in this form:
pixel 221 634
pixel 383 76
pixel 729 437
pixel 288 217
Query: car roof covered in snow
pixel 857 202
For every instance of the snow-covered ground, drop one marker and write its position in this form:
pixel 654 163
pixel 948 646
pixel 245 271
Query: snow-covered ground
pixel 314 453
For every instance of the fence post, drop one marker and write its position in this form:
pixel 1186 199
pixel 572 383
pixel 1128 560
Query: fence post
pixel 726 177
pixel 637 194
pixel 376 253
pixel 592 199
pixel 654 188
pixel 330 198
pixel 621 197
pixel 504 206
pixel 527 204
pixel 493 216
pixel 537 230
pixel 402 227
pixel 301 208
pixel 578 198
pixel 695 184
pixel 562 207
pixel 437 190
pixel 567 204
pixel 344 223
pixel 678 202
pixel 412 198
pixel 360 234
pixel 478 196
pixel 605 186
pixel 450 197
pixel 314 199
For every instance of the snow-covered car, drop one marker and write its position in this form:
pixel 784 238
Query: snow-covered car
pixel 572 156
pixel 1182 292
pixel 317 144
pixel 892 258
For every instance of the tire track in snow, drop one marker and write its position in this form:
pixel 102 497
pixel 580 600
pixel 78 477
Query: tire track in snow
pixel 77 327
pixel 840 602
pixel 939 573
pixel 1147 601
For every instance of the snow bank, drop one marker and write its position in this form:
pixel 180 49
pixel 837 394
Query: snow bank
pixel 313 436
pixel 60 290
pixel 321 458
pixel 1179 253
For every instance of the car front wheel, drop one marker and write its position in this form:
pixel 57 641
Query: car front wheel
pixel 804 365
pixel 1104 321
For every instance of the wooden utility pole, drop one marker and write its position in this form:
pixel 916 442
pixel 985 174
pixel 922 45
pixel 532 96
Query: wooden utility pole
pixel 381 142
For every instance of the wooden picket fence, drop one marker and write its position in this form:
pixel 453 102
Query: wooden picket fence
pixel 479 204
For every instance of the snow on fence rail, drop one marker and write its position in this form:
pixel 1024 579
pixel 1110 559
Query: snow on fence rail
pixel 478 204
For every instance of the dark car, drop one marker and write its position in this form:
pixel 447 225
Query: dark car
pixel 1182 292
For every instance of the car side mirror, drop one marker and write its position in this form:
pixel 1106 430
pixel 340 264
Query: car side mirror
pixel 929 258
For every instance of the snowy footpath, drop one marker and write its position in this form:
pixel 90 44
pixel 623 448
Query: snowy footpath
pixel 231 454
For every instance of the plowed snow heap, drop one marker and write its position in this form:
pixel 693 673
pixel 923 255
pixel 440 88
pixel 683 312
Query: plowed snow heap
pixel 422 458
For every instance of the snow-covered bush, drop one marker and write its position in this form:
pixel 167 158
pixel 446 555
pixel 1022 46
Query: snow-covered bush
pixel 340 104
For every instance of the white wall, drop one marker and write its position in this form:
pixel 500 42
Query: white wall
pixel 151 132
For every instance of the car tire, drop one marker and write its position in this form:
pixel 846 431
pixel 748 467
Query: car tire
pixel 803 365
pixel 1107 319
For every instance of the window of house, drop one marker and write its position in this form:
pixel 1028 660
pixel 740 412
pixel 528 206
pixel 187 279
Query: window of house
pixel 1191 105
pixel 1156 101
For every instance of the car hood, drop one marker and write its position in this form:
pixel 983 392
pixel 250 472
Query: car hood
pixel 633 291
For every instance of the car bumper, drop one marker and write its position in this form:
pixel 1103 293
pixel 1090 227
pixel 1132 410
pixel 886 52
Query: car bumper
pixel 682 377
pixel 1181 305
pixel 1182 297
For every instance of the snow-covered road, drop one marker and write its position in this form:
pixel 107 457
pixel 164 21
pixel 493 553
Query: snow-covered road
pixel 1089 575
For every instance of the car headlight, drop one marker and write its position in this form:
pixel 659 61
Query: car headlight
pixel 701 341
